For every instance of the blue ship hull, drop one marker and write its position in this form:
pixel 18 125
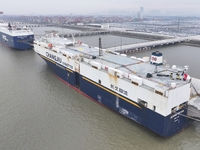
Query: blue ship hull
pixel 163 125
pixel 17 42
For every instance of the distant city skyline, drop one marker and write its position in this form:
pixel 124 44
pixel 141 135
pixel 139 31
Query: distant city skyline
pixel 92 7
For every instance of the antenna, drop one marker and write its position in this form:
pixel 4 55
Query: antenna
pixel 73 37
pixel 178 24
pixel 100 48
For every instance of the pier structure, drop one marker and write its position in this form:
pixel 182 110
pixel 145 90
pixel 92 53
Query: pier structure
pixel 29 25
pixel 85 33
pixel 131 48
pixel 76 33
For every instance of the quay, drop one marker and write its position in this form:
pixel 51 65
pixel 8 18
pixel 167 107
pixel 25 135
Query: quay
pixel 75 33
pixel 22 24
pixel 131 48
pixel 85 33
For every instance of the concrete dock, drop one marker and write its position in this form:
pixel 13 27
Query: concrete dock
pixel 126 49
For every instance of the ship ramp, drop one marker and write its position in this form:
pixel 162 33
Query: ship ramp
pixel 194 102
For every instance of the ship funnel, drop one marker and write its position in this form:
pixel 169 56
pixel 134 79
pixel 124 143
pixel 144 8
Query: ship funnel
pixel 156 58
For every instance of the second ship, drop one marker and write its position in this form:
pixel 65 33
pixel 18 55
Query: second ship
pixel 15 37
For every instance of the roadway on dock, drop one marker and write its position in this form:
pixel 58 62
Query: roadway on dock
pixel 147 45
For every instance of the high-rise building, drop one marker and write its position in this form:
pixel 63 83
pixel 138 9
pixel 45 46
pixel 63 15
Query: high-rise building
pixel 140 13
pixel 141 9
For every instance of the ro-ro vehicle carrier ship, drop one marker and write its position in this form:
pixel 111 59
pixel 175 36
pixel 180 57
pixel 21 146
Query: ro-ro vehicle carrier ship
pixel 145 90
pixel 15 37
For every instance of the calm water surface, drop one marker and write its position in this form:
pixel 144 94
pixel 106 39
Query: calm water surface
pixel 40 112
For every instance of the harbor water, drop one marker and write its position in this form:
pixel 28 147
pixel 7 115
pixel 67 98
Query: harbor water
pixel 40 112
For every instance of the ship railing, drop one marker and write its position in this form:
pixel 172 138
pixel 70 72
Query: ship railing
pixel 21 31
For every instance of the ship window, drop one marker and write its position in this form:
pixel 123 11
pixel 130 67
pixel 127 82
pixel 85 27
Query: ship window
pixel 158 92
pixel 135 83
pixel 154 108
pixel 182 105
pixel 173 110
pixel 95 67
pixel 99 81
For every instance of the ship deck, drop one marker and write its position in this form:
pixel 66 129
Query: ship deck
pixel 130 65
pixel 164 75
pixel 16 32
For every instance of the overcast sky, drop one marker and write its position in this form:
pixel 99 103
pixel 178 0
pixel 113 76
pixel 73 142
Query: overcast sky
pixel 86 7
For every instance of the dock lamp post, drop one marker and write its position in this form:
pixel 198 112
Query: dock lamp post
pixel 121 42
